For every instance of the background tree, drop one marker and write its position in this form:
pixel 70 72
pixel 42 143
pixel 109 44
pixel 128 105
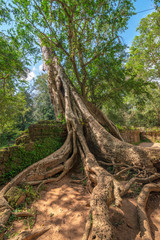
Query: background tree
pixel 141 108
pixel 145 49
pixel 12 99
pixel 42 107
pixel 136 111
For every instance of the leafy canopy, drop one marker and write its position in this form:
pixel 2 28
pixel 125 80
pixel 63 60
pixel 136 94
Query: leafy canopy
pixel 12 72
pixel 85 35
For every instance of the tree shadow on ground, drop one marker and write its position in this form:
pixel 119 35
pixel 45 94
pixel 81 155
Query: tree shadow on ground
pixel 65 207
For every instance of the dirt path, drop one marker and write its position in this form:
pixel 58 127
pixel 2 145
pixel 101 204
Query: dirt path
pixel 64 206
pixel 149 144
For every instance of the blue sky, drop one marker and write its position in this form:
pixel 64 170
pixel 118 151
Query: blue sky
pixel 134 21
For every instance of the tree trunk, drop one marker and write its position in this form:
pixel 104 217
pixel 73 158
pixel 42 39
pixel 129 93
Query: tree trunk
pixel 88 137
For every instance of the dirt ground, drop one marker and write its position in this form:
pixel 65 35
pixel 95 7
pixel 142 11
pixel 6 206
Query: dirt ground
pixel 149 144
pixel 64 207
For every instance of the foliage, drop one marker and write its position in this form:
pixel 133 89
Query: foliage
pixel 42 148
pixel 157 3
pixel 12 63
pixel 13 116
pixel 12 106
pixel 15 99
pixel 137 111
pixel 86 38
pixel 143 109
pixel 8 137
pixel 31 193
pixel 21 110
pixel 25 118
pixel 12 71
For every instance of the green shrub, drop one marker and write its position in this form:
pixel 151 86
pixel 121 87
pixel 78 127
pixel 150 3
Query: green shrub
pixel 8 137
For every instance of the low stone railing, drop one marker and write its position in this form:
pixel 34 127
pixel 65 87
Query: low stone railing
pixel 135 136
pixel 130 136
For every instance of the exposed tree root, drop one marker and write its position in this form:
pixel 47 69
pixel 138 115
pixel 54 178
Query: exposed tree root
pixel 78 180
pixel 23 214
pixel 29 235
pixel 88 227
pixel 118 174
pixel 38 170
pixel 141 204
pixel 128 185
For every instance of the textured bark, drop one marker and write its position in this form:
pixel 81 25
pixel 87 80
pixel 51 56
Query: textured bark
pixel 141 204
pixel 54 83
pixel 88 137
pixel 29 235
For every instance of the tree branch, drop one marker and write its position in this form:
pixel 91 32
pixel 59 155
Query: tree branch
pixel 91 60
pixel 40 10
pixel 83 69
pixel 51 30
pixel 65 6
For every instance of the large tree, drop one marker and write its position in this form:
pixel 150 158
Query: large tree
pixel 78 39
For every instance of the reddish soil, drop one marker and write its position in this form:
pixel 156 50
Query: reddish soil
pixel 64 206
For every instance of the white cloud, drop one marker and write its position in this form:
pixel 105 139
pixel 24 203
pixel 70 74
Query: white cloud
pixel 30 76
pixel 34 69
pixel 41 67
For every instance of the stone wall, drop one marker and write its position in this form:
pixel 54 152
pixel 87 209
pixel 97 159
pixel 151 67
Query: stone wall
pixel 130 136
pixel 5 155
pixel 41 130
pixel 135 136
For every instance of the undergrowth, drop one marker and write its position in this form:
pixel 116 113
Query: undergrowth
pixel 21 158
pixel 7 138
pixel 28 222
